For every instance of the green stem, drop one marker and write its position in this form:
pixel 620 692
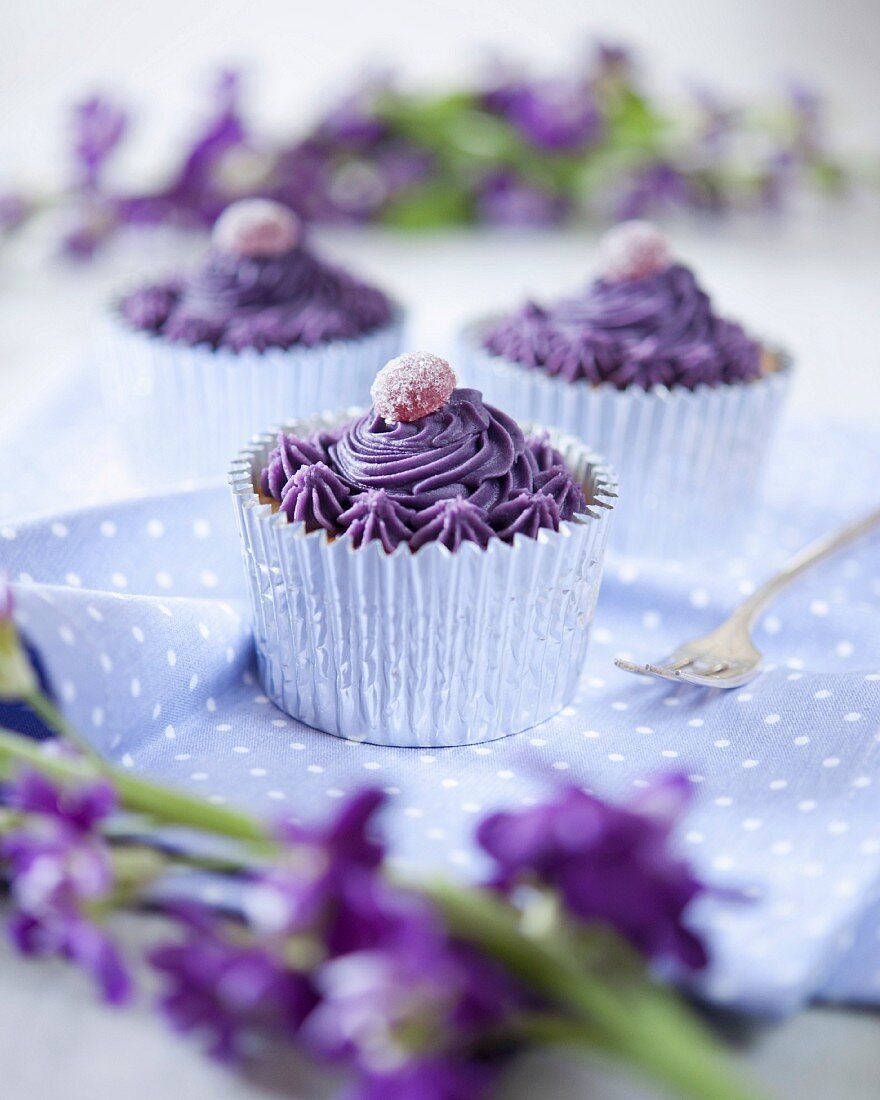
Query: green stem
pixel 164 805
pixel 667 1042
pixel 45 709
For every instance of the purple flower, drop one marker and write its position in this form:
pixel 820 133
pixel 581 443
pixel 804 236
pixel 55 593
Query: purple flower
pixel 353 123
pixel 608 863
pixel 654 189
pixel 505 198
pixel 428 1079
pixel 412 999
pixel 59 869
pixel 553 115
pixel 327 874
pixel 224 986
pixel 98 127
pixel 14 210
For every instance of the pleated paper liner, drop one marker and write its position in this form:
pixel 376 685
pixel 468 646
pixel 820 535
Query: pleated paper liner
pixel 429 648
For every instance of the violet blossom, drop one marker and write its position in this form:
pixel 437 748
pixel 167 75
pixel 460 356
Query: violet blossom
pixel 98 127
pixel 609 864
pixel 504 198
pixel 552 115
pixel 228 988
pixel 60 870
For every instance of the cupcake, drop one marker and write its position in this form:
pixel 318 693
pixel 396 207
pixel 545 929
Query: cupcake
pixel 423 572
pixel 680 399
pixel 262 327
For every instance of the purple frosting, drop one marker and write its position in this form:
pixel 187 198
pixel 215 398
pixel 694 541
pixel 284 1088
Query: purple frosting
pixel 525 514
pixel 465 449
pixel 241 302
pixel 451 522
pixel 315 496
pixel 464 473
pixel 376 515
pixel 566 493
pixel 656 330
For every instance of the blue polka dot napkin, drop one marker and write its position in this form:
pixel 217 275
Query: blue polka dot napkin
pixel 138 610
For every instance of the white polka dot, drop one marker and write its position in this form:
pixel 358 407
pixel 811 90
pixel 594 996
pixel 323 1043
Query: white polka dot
pixel 568 712
pixel 119 580
pixel 208 578
pixel 505 774
pixel 723 800
pixel 723 863
pixel 107 528
pixel 844 649
pixel 778 784
pixel 592 734
pixel 316 769
pixel 752 824
pixel 873 677
pixel 204 631
pixel 838 828
pixel 257 772
pixel 127 760
pixel 155 528
pixel 819 607
pixel 172 657
pixel 414 811
pixel 261 699
pixel 823 693
pixel 68 691
pixel 750 763
pixel 95 614
pixel 619 705
pixel 201 528
pixel 8 533
pixel 538 742
pixel 561 765
pixel 106 662
pixel 670 754
pixel 137 634
pixel 74 580
pixel 223 727
pixel 862 781
pixel 210 704
pixel 616 757
pixel 651 620
pixel 98 716
pixel 296 745
pixel 60 530
pixel 853 716
pixel 771 719
pixel 183 756
pixel 807 805
pixel 448 782
pixel 644 729
pixel 694 838
pixel 830 761
pixel 66 635
pixel 135 687
pixel 276 796
pixel 279 723
pixel 670 701
pixel 801 740
pixel 240 748
pixel 372 765
pixel 157 710
pixel 722 743
pixel 772 624
pixel 471 807
pixel 695 723
pixel 781 847
pixel 164 579
pixel 193 681
pixel 482 750
pixel 170 732
pixel 700 598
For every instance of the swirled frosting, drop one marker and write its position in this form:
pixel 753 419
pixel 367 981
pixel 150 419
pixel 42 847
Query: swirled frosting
pixel 659 329
pixel 464 449
pixel 463 473
pixel 259 302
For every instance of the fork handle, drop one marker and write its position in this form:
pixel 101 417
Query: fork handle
pixel 800 563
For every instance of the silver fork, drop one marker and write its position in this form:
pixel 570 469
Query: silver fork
pixel 727 657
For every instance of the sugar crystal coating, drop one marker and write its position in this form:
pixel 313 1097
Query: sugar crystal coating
pixel 256 227
pixel 411 386
pixel 634 250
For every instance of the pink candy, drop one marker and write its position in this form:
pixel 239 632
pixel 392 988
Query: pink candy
pixel 412 386
pixel 256 228
pixel 633 250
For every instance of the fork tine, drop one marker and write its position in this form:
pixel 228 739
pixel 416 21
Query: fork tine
pixel 629 666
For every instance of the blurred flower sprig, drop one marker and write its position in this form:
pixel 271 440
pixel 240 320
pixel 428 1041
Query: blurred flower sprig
pixel 418 990
pixel 509 149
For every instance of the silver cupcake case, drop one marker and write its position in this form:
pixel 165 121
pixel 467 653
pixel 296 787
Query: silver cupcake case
pixel 181 411
pixel 429 648
pixel 689 461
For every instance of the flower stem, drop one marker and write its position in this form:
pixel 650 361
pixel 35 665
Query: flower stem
pixel 640 1024
pixel 164 805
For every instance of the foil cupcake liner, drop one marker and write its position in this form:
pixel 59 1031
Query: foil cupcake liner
pixel 156 392
pixel 429 648
pixel 689 461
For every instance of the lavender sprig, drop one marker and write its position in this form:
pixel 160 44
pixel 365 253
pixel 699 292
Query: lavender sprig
pixel 419 990
pixel 507 149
